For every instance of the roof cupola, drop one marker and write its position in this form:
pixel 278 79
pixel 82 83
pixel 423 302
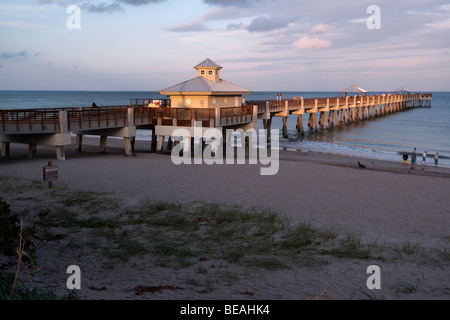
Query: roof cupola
pixel 209 69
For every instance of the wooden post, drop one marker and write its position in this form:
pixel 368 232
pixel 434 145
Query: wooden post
pixel 50 174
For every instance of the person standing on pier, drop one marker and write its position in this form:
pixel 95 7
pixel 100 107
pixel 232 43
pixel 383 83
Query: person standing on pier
pixel 405 159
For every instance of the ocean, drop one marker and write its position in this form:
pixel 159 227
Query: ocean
pixel 385 138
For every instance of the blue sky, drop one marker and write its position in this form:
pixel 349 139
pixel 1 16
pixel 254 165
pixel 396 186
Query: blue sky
pixel 147 45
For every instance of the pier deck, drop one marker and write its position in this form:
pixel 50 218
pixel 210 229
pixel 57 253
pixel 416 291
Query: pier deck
pixel 54 126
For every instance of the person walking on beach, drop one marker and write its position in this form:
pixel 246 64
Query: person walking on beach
pixel 424 157
pixel 413 160
pixel 436 159
pixel 405 159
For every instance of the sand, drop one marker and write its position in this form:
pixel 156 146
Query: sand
pixel 383 204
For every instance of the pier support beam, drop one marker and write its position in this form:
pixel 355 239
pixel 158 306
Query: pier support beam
pixel 5 149
pixel 312 122
pixel 60 154
pixel 269 128
pixel 79 142
pixel 154 141
pixel 300 113
pixel 32 151
pixel 159 146
pixel 299 125
pixel 285 131
pixel 128 146
pixel 121 132
pixel 103 144
pixel 33 140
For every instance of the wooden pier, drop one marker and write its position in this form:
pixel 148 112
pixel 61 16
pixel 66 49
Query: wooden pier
pixel 326 112
pixel 55 126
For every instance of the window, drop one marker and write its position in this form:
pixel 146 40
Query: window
pixel 210 72
pixel 202 72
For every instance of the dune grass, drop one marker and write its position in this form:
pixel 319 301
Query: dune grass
pixel 174 235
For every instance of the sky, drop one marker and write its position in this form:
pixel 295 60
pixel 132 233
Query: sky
pixel 263 45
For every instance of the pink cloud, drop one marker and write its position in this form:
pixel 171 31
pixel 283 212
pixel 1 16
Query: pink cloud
pixel 320 28
pixel 309 43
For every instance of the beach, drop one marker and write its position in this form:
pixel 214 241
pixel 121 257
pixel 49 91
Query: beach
pixel 399 217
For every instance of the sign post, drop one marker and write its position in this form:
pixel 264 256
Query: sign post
pixel 50 174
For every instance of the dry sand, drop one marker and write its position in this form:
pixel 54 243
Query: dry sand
pixel 383 204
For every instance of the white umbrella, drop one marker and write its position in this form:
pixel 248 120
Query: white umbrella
pixel 402 90
pixel 354 89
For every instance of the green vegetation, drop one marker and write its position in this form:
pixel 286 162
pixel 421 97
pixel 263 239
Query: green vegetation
pixel 205 237
pixel 24 291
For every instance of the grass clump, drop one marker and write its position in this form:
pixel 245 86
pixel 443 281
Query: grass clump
pixel 24 291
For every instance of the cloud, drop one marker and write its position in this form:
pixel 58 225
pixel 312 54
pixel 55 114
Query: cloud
pixel 188 27
pixel 320 28
pixel 443 25
pixel 14 55
pixel 264 24
pixel 140 2
pixel 236 26
pixel 305 43
pixel 102 7
pixel 231 3
pixel 24 25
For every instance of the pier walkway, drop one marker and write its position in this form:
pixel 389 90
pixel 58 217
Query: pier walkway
pixel 55 126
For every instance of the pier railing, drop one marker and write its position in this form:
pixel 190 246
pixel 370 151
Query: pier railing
pixel 279 105
pixel 97 118
pixel 53 120
pixel 184 117
pixel 236 115
pixel 30 121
